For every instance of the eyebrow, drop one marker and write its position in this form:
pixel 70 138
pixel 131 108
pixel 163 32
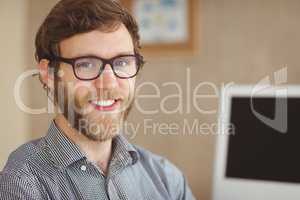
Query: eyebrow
pixel 94 55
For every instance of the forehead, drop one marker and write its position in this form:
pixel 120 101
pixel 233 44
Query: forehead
pixel 98 43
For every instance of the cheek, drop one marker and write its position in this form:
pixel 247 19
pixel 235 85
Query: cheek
pixel 82 91
pixel 127 86
pixel 83 87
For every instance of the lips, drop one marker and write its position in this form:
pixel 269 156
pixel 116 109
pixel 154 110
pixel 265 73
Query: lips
pixel 105 105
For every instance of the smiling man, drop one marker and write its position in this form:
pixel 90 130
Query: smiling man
pixel 88 58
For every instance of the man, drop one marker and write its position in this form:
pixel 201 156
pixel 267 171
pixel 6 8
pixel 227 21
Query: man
pixel 88 55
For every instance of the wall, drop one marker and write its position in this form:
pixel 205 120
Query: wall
pixel 240 41
pixel 14 123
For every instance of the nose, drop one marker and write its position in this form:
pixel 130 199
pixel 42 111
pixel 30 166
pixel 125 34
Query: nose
pixel 107 79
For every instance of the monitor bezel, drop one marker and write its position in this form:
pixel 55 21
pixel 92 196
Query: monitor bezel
pixel 225 188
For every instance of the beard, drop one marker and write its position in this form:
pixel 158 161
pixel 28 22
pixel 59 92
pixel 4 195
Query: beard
pixel 94 124
pixel 101 126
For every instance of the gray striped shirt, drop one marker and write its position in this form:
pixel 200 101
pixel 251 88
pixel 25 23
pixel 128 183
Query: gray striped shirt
pixel 54 168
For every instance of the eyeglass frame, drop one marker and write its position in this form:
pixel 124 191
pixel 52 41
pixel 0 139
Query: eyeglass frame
pixel 71 61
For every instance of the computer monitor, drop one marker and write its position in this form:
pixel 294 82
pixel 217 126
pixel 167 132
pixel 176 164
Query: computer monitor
pixel 258 144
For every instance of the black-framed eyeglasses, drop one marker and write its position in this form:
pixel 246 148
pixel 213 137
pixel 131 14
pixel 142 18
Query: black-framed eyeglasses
pixel 90 67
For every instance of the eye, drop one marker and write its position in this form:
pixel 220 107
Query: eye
pixel 126 61
pixel 121 63
pixel 84 65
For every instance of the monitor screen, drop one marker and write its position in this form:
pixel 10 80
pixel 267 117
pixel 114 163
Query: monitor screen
pixel 258 151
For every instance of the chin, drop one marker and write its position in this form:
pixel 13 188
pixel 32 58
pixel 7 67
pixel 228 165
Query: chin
pixel 102 137
pixel 100 127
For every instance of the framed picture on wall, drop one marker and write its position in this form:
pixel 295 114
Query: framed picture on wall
pixel 166 26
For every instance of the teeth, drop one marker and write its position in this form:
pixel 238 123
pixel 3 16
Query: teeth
pixel 104 103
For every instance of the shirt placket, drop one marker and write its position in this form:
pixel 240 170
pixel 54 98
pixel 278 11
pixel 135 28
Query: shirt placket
pixel 87 181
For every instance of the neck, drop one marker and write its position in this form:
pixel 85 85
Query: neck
pixel 98 152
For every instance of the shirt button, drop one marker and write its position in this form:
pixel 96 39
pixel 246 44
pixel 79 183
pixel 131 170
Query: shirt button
pixel 83 168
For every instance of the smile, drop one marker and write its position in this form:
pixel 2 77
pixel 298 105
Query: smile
pixel 105 105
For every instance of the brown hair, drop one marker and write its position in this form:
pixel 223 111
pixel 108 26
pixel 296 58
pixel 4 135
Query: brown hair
pixel 71 17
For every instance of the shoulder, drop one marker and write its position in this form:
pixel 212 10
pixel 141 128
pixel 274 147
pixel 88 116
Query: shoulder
pixel 21 159
pixel 161 168
pixel 160 163
pixel 18 175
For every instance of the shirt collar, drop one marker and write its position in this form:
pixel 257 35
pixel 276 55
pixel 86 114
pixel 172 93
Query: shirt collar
pixel 64 152
pixel 122 149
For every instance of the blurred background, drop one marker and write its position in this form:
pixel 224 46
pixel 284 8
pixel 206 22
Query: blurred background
pixel 238 41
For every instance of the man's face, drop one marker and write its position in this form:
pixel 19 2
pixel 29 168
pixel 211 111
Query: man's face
pixel 96 107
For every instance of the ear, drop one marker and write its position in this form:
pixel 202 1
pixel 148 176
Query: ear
pixel 46 77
